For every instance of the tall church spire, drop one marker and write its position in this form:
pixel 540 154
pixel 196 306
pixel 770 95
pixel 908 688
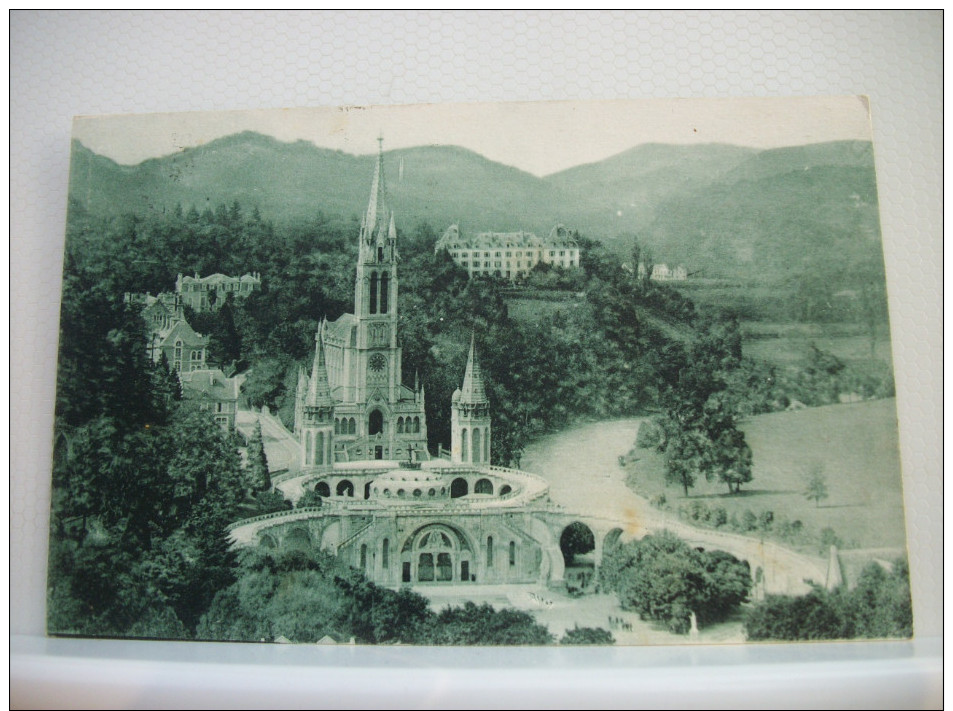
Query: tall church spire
pixel 376 215
pixel 473 391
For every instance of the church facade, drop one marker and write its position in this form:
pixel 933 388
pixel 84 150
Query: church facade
pixel 376 416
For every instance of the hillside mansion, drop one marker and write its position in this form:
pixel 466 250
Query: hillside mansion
pixel 509 254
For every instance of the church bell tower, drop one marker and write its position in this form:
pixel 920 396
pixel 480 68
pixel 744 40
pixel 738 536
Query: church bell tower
pixel 375 296
pixel 470 417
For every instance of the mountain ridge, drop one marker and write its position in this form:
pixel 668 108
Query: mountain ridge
pixel 728 210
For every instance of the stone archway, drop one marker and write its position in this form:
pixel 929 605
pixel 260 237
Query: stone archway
pixel 437 553
pixel 458 488
pixel 577 542
pixel 345 488
pixel 611 540
pixel 297 539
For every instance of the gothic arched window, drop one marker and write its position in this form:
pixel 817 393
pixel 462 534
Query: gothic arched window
pixel 352 426
pixel 477 446
pixel 373 304
pixel 384 284
pixel 400 425
pixel 375 423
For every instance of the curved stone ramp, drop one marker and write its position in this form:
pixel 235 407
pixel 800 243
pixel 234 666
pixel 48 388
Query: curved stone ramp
pixel 527 487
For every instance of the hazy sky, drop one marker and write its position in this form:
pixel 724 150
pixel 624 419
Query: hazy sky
pixel 540 138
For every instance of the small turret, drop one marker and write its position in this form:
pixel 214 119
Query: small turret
pixel 473 392
pixel 319 391
pixel 317 429
pixel 470 422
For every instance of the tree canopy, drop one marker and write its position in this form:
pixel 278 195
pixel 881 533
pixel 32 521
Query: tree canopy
pixel 664 579
pixel 878 607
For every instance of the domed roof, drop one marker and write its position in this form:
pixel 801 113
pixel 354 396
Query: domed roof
pixel 409 478
pixel 456 395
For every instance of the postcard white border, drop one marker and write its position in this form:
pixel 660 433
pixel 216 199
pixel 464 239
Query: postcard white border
pixel 260 60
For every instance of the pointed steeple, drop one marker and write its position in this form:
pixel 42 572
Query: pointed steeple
pixel 473 391
pixel 376 207
pixel 300 394
pixel 319 392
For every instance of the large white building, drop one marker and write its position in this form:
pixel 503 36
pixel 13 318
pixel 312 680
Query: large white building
pixel 509 254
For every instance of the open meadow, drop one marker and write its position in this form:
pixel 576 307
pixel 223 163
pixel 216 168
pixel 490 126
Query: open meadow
pixel 854 445
pixel 790 343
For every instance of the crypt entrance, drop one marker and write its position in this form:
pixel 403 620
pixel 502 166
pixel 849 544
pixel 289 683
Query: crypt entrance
pixel 436 554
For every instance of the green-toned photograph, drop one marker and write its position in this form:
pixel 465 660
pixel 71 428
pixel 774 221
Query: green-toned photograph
pixel 575 373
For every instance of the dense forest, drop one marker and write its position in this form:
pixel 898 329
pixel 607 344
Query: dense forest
pixel 601 359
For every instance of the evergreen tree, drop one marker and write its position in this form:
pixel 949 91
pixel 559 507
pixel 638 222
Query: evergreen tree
pixel 258 475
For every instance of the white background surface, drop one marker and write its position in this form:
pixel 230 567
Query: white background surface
pixel 63 64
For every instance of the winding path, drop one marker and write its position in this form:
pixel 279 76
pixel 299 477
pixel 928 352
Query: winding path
pixel 582 467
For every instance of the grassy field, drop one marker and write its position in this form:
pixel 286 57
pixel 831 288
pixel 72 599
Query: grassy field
pixel 785 344
pixel 857 446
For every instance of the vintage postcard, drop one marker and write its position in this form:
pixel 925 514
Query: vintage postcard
pixel 486 374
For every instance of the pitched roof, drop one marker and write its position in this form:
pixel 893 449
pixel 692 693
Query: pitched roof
pixel 182 330
pixel 211 383
pixel 343 329
pixel 559 237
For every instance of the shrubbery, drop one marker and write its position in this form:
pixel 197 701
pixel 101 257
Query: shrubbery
pixel 650 435
pixel 878 607
pixel 664 579
pixel 587 635
pixel 304 597
pixel 763 522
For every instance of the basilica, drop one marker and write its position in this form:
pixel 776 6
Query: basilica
pixel 389 507
pixel 358 363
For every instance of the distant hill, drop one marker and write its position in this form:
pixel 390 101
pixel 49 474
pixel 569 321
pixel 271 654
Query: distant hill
pixel 723 210
pixel 289 181
pixel 621 193
pixel 779 213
